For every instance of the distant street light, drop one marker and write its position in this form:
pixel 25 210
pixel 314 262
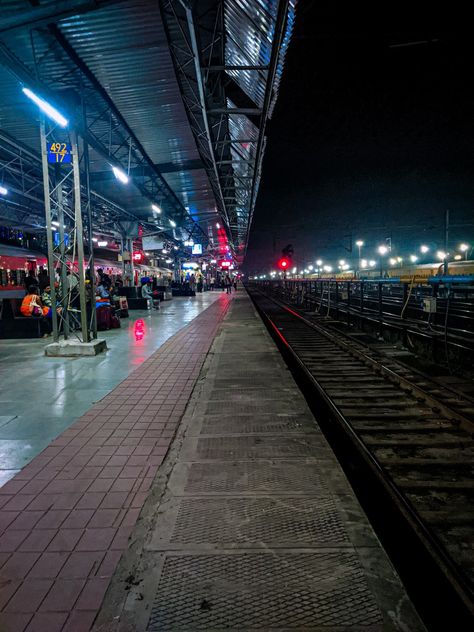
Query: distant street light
pixel 424 249
pixel 413 258
pixel 3 191
pixel 382 250
pixel 393 261
pixel 342 262
pixel 372 263
pixel 465 249
pixel 359 244
pixel 319 262
pixel 441 255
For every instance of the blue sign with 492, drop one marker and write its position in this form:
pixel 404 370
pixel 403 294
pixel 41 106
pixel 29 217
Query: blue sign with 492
pixel 59 153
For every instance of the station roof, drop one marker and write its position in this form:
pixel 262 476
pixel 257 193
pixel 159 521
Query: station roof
pixel 176 95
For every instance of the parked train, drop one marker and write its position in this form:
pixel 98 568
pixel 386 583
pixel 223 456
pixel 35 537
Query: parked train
pixel 16 263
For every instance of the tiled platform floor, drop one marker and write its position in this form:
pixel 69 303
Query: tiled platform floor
pixel 40 397
pixel 67 516
pixel 251 524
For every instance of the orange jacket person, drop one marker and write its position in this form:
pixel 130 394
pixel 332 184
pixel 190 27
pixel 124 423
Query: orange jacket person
pixel 32 305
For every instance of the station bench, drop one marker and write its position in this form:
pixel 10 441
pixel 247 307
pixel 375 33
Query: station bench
pixel 13 324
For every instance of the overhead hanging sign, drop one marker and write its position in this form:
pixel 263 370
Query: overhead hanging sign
pixel 152 243
pixel 59 153
pixel 197 249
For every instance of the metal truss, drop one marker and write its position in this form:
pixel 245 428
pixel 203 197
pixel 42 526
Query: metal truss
pixel 229 128
pixel 57 71
pixel 21 173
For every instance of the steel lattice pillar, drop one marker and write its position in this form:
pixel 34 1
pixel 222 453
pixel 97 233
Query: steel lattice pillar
pixel 65 234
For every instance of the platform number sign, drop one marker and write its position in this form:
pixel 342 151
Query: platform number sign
pixel 59 153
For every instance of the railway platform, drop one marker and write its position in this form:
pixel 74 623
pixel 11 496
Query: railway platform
pixel 251 523
pixel 198 493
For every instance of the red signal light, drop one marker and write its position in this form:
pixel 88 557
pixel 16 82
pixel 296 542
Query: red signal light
pixel 283 263
pixel 138 257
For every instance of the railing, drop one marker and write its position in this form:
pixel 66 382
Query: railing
pixel 452 304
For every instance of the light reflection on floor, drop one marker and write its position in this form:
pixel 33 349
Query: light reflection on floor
pixel 40 397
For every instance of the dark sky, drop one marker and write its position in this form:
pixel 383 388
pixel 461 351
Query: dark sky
pixel 367 139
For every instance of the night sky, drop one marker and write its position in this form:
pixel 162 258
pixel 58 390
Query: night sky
pixel 368 139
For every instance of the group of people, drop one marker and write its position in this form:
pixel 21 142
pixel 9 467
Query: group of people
pixel 226 283
pixel 38 301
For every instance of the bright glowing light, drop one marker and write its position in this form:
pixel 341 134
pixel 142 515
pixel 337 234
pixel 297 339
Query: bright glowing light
pixel 382 250
pixel 169 260
pixel 359 243
pixel 319 262
pixel 372 263
pixel 327 269
pixel 363 263
pixel 294 271
pixel 218 225
pixel 457 257
pixel 175 247
pixel 392 261
pixel 155 208
pixel 346 266
pixel 173 224
pixel 399 259
pixel 95 239
pixel 164 251
pixel 102 244
pixel 310 268
pixel 45 107
pixel 413 258
pixel 3 191
pixel 213 261
pixel 424 249
pixel 441 255
pixel 342 262
pixel 464 247
pixel 120 175
pixel 54 223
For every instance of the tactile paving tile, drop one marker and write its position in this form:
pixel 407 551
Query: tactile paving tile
pixel 248 424
pixel 282 476
pixel 255 447
pixel 264 590
pixel 301 521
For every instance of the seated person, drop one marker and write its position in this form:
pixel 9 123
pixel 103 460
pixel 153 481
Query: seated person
pixel 47 301
pixel 102 290
pixel 32 307
pixel 148 294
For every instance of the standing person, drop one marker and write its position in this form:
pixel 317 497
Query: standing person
pixel 213 282
pixel 235 284
pixel 199 282
pixel 31 280
pixel 43 279
pixel 192 283
pixel 228 284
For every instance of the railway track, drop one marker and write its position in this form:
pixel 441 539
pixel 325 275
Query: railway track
pixel 415 437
